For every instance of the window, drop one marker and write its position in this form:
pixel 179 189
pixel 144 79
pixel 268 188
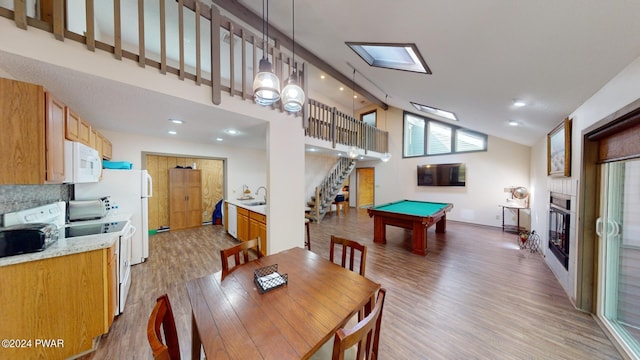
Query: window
pixel 369 118
pixel 424 136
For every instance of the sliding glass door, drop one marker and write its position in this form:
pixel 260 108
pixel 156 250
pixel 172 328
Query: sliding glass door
pixel 618 228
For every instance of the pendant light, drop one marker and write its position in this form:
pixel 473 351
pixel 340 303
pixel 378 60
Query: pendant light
pixel 387 155
pixel 266 85
pixel 292 94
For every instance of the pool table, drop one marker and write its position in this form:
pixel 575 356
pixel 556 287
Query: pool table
pixel 417 216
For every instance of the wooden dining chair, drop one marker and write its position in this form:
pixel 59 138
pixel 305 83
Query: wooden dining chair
pixel 350 247
pixel 162 316
pixel 235 251
pixel 365 334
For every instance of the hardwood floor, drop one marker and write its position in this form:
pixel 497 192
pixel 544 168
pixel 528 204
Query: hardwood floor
pixel 475 295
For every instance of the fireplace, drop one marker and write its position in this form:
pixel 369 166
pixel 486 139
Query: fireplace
pixel 559 217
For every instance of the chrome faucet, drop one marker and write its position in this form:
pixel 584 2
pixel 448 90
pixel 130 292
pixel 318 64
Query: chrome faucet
pixel 265 192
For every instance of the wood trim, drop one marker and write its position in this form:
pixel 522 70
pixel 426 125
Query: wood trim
pixel 90 34
pixel 255 21
pixel 58 19
pixel 621 145
pixel 163 38
pixel 181 37
pixel 232 58
pixel 20 13
pixel 117 30
pixel 198 49
pixel 244 63
pixel 216 87
pixel 141 46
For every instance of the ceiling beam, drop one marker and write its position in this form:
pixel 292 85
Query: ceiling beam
pixel 244 14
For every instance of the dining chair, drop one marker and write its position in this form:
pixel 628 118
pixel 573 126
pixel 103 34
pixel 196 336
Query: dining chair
pixel 350 247
pixel 307 242
pixel 365 334
pixel 235 251
pixel 162 315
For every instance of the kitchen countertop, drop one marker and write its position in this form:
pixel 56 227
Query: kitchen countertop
pixel 67 246
pixel 260 209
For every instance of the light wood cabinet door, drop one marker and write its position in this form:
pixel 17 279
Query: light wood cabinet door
pixel 61 297
pixel 185 198
pixel 112 284
pixel 22 139
pixel 258 227
pixel 106 148
pixel 243 226
pixel 76 128
pixel 55 128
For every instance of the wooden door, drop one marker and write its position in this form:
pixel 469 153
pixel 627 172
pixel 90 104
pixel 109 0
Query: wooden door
pixel 54 123
pixel 177 199
pixel 185 198
pixel 193 179
pixel 365 186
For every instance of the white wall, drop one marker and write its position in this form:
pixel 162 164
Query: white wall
pixel 505 164
pixel 620 91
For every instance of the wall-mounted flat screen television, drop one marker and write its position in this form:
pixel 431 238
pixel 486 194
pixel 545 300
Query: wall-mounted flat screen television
pixel 442 175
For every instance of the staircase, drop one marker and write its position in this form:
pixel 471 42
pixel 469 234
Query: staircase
pixel 329 187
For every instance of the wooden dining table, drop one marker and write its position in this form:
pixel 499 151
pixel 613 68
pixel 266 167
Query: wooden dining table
pixel 233 320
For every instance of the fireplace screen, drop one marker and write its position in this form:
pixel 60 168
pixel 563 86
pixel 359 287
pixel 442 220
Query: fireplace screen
pixel 559 216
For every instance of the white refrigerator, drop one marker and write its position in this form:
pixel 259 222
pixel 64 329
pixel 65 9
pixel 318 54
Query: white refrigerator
pixel 130 191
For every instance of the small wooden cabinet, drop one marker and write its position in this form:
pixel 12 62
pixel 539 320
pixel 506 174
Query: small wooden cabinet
pixel 77 129
pixel 258 227
pixel 243 224
pixel 185 198
pixel 66 297
pixel 112 284
pixel 54 130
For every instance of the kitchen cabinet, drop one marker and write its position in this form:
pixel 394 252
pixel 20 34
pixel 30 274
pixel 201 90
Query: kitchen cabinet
pixel 112 284
pixel 258 227
pixel 243 224
pixel 77 129
pixel 107 148
pixel 54 130
pixel 64 297
pixel 32 136
pixel 185 198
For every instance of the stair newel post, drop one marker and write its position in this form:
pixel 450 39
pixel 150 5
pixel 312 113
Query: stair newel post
pixel 333 127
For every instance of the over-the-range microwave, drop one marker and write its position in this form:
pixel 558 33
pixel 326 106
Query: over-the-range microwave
pixel 81 163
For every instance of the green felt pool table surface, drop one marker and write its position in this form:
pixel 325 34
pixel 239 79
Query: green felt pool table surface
pixel 410 207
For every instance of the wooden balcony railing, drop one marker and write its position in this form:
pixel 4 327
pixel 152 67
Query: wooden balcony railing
pixel 327 123
pixel 191 40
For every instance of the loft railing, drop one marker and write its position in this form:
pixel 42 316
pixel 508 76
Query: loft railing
pixel 193 41
pixel 328 123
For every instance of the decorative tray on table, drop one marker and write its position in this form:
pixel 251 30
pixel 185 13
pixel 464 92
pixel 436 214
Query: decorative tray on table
pixel 268 278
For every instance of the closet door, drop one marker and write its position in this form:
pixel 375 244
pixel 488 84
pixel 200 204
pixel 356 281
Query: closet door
pixel 185 198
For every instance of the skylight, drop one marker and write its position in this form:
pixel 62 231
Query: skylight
pixel 391 56
pixel 434 111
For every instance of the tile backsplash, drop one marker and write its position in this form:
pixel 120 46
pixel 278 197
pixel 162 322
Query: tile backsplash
pixel 20 197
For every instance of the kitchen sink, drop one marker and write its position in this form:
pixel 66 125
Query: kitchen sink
pixel 257 203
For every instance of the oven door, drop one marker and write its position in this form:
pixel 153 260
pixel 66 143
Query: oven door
pixel 124 267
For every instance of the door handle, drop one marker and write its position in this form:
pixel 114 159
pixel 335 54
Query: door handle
pixel 599 227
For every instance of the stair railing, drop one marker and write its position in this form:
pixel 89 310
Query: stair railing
pixel 330 186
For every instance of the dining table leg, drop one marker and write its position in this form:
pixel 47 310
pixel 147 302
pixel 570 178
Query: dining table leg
pixel 196 343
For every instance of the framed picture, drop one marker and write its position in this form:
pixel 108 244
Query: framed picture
pixel 559 150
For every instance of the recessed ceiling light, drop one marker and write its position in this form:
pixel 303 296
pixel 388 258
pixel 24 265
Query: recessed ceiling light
pixel 391 56
pixel 219 139
pixel 341 88
pixel 313 149
pixel 176 121
pixel 435 111
pixel 321 76
pixel 355 96
pixel 513 123
pixel 231 131
pixel 519 103
pixel 172 132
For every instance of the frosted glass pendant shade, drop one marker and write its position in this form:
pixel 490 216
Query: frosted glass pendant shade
pixel 266 85
pixel 292 95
